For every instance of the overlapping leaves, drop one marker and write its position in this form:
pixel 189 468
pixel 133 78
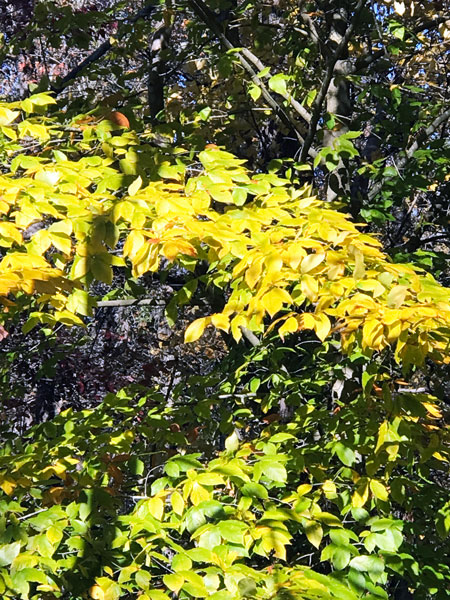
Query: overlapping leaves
pixel 276 251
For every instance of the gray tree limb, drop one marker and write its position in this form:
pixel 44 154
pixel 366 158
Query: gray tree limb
pixel 248 61
pixel 320 98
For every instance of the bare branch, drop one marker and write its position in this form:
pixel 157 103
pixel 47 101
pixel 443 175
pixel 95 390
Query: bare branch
pixel 127 302
pixel 100 51
pixel 248 60
pixel 423 136
pixel 319 100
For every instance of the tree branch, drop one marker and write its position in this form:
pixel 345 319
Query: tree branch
pixel 409 152
pixel 426 134
pixel 318 102
pixel 248 60
pixel 100 51
pixel 126 302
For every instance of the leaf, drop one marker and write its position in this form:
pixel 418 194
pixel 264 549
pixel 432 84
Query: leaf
pixel 345 454
pixel 379 490
pixel 134 187
pixel 311 261
pixel 156 508
pixel 273 300
pixel 273 470
pixel 7 116
pixel 232 530
pixel 255 490
pixel 397 296
pixel 322 326
pixel 196 329
pixel 232 442
pixel 277 83
pixel 8 553
pixel 254 91
pixel 210 479
pixel 174 581
pixel 371 564
pixel 341 558
pixel 314 532
pixel 361 494
pixel 177 503
pixel 289 326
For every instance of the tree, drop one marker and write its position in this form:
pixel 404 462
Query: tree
pixel 311 461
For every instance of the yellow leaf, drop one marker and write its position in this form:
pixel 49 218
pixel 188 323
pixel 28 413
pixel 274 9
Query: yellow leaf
pixel 307 321
pixel 329 488
pixel 253 273
pixel 373 334
pixel 432 410
pixel 310 287
pixel 196 329
pixel 372 285
pixel 289 326
pixel 177 503
pixel 314 533
pixel 96 592
pixel 358 273
pixel 294 254
pixel 156 507
pixel 236 324
pixel 10 233
pixel 274 299
pixel 221 321
pixel 361 494
pixel 7 116
pixel 134 187
pixel 7 484
pixel 379 490
pixel 382 435
pixel 311 261
pixel 322 326
pixel 304 488
pixel 62 242
pixel 133 244
pixel 396 296
pixel 48 176
pixel 199 494
pixel 173 248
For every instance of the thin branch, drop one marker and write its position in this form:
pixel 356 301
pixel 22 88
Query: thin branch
pixel 314 33
pixel 100 51
pixel 409 152
pixel 442 118
pixel 319 100
pixel 248 61
pixel 127 302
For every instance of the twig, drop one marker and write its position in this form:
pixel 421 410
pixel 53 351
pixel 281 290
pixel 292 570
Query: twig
pixel 100 51
pixel 319 100
pixel 127 302
pixel 248 60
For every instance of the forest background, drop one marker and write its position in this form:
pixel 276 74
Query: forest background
pixel 225 328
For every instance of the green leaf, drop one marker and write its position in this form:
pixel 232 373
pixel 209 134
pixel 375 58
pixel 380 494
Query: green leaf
pixel 8 553
pixel 368 563
pixel 341 558
pixel 345 454
pixel 255 490
pixel 273 470
pixel 277 83
pixel 232 531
